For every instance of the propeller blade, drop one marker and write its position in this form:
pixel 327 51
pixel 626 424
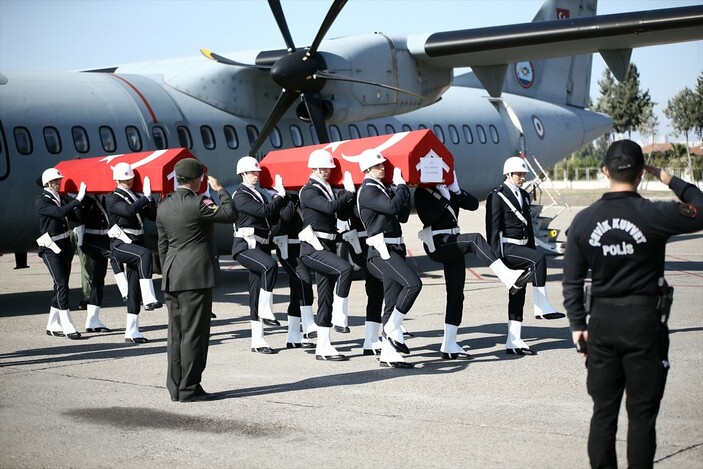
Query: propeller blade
pixel 285 100
pixel 224 60
pixel 277 11
pixel 326 24
pixel 332 76
pixel 317 115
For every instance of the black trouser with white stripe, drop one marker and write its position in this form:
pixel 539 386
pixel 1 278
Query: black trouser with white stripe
pixel 523 257
pixel 373 283
pixel 328 268
pixel 98 249
pixel 59 266
pixel 262 274
pixel 139 266
pixel 401 284
pixel 299 280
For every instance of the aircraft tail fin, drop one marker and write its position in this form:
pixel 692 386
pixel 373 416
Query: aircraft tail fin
pixel 564 80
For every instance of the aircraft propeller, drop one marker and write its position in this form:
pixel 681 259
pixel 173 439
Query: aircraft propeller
pixel 300 73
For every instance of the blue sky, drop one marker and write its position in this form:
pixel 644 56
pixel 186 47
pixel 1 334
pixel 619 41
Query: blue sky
pixel 73 35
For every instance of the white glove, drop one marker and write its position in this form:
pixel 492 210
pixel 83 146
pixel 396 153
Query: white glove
pixel 146 187
pixel 348 182
pixel 278 186
pixel 444 190
pixel 81 191
pixel 397 177
pixel 454 186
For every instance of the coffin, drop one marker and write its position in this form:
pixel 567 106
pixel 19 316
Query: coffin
pixel 422 158
pixel 97 172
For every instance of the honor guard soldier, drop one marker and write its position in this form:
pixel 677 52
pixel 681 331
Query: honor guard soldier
pixel 95 243
pixel 382 210
pixel 299 276
pixel 127 213
pixel 509 231
pixel 55 247
pixel 189 266
pixel 438 208
pixel 318 251
pixel 622 239
pixel 252 247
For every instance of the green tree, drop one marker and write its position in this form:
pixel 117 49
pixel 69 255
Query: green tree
pixel 650 124
pixel 682 113
pixel 698 106
pixel 624 102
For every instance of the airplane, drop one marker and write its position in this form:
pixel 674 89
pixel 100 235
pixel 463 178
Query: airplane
pixel 527 93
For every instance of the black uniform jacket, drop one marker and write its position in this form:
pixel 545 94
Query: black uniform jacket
pixel 126 213
pixel 252 212
pixel 95 216
pixel 383 210
pixel 184 223
pixel 319 211
pixel 291 219
pixel 53 219
pixel 622 239
pixel 501 219
pixel 438 212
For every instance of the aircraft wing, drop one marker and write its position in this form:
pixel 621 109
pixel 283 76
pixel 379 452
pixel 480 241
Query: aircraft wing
pixel 557 38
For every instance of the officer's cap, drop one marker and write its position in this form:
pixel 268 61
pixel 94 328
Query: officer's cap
pixel 623 155
pixel 189 168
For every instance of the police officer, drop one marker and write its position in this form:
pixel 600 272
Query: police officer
pixel 55 247
pixel 318 251
pixel 382 211
pixel 252 249
pixel 509 231
pixel 188 258
pixel 127 212
pixel 622 239
pixel 96 245
pixel 438 208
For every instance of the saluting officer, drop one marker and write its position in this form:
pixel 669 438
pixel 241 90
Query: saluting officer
pixel 55 247
pixel 622 239
pixel 318 251
pixel 438 208
pixel 96 245
pixel 509 231
pixel 127 212
pixel 252 249
pixel 382 211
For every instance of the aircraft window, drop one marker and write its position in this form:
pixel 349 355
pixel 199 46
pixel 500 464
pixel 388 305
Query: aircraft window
pixel 107 138
pixel 407 128
pixel 335 134
pixel 439 132
pixel 159 137
pixel 296 135
pixel 354 132
pixel 453 134
pixel 252 134
pixel 421 127
pixel 468 136
pixel 494 133
pixel 23 140
pixel 275 138
pixel 373 131
pixel 52 139
pixel 389 129
pixel 184 138
pixel 80 139
pixel 231 137
pixel 208 136
pixel 481 133
pixel 134 139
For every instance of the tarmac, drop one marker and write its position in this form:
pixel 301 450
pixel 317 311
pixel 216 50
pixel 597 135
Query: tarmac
pixel 99 402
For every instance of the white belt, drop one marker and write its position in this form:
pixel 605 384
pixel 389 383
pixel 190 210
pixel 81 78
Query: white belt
pixel 95 232
pixel 133 231
pixel 398 240
pixel 519 242
pixel 454 230
pixel 293 241
pixel 323 235
pixel 258 239
pixel 60 236
pixel 361 234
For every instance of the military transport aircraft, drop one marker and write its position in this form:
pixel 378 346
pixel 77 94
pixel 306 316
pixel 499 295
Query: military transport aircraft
pixel 527 92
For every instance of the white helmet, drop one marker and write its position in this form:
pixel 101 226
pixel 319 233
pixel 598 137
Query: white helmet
pixel 515 164
pixel 49 175
pixel 122 172
pixel 247 164
pixel 370 158
pixel 321 159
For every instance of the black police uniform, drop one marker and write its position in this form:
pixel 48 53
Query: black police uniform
pixel 52 214
pixel 320 206
pixel 622 239
pixel 450 246
pixel 253 211
pixel 128 211
pixel 96 245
